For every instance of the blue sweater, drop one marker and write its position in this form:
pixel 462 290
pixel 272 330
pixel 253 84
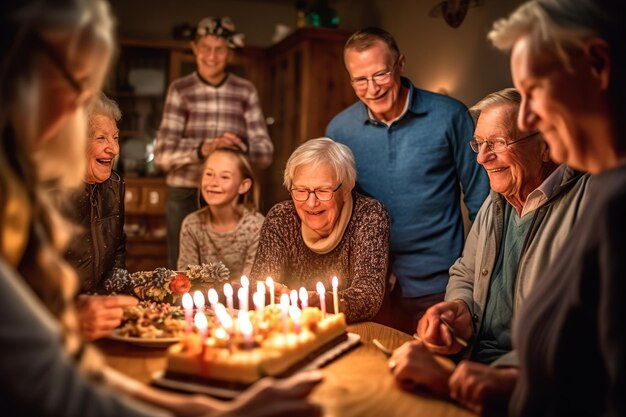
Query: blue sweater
pixel 416 167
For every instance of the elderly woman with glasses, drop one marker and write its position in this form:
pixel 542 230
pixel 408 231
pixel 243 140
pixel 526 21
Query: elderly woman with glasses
pixel 97 208
pixel 517 233
pixel 326 230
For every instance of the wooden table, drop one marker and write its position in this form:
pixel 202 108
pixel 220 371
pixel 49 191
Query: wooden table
pixel 356 384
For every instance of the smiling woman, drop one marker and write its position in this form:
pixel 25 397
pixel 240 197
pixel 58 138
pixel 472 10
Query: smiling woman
pixel 98 207
pixel 326 230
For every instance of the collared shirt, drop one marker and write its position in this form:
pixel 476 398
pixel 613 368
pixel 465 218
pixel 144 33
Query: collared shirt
pixel 196 111
pixel 416 166
pixel 541 194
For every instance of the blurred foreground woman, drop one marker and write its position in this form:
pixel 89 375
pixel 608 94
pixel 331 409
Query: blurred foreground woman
pixel 54 58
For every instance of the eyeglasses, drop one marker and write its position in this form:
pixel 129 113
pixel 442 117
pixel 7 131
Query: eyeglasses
pixel 82 92
pixel 321 194
pixel 380 78
pixel 496 145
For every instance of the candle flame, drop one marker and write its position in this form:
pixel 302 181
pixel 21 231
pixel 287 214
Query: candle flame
pixel 228 290
pixel 284 301
pixel 198 299
pixel 187 301
pixel 260 287
pixel 335 282
pixel 200 321
pixel 213 297
pixel 293 295
pixel 320 288
pixel 245 282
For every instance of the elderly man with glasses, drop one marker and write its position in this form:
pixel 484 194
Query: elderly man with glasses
pixel 326 230
pixel 412 155
pixel 518 232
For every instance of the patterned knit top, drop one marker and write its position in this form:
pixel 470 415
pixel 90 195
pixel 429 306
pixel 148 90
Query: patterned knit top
pixel 359 260
pixel 199 243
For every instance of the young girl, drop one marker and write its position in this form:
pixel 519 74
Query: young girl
pixel 228 228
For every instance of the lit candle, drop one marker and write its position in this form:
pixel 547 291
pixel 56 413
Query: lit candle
pixel 188 307
pixel 304 297
pixel 228 292
pixel 245 284
pixel 226 321
pixel 201 324
pixel 293 296
pixel 295 313
pixel 260 288
pixel 259 303
pixel 335 284
pixel 284 308
pixel 213 299
pixel 243 299
pixel 245 327
pixel 270 284
pixel 321 291
pixel 198 300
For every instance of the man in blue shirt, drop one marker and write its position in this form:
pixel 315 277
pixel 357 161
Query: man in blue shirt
pixel 413 155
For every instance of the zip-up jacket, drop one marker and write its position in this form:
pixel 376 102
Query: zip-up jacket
pixel 470 275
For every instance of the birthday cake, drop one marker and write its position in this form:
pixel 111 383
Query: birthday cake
pixel 260 343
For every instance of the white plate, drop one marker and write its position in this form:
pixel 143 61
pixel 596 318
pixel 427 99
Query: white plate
pixel 158 378
pixel 145 342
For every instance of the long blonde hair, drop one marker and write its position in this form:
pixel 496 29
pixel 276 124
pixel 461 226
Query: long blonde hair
pixel 30 167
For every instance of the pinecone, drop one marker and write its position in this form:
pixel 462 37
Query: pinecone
pixel 138 279
pixel 160 277
pixel 214 272
pixel 118 282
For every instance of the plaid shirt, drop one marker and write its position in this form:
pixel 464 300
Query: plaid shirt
pixel 196 111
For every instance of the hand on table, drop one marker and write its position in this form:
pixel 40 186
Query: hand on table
pixel 436 335
pixel 418 370
pixel 98 315
pixel 227 140
pixel 473 383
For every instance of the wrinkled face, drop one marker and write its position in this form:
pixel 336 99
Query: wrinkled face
pixel 382 100
pixel 222 181
pixel 564 105
pixel 212 55
pixel 517 171
pixel 319 216
pixel 102 148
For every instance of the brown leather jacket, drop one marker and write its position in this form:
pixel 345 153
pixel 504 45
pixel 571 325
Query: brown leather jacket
pixel 101 244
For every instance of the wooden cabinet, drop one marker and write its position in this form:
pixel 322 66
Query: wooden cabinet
pixel 144 202
pixel 307 85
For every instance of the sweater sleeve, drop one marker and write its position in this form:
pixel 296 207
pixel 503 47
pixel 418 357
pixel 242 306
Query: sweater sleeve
pixel 254 235
pixel 40 378
pixel 364 296
pixel 189 253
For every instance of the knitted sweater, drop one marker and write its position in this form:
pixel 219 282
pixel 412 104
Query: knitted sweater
pixel 359 260
pixel 199 243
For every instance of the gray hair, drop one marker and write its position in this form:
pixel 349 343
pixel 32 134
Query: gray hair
pixel 557 26
pixel 319 152
pixel 507 96
pixel 366 38
pixel 101 105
